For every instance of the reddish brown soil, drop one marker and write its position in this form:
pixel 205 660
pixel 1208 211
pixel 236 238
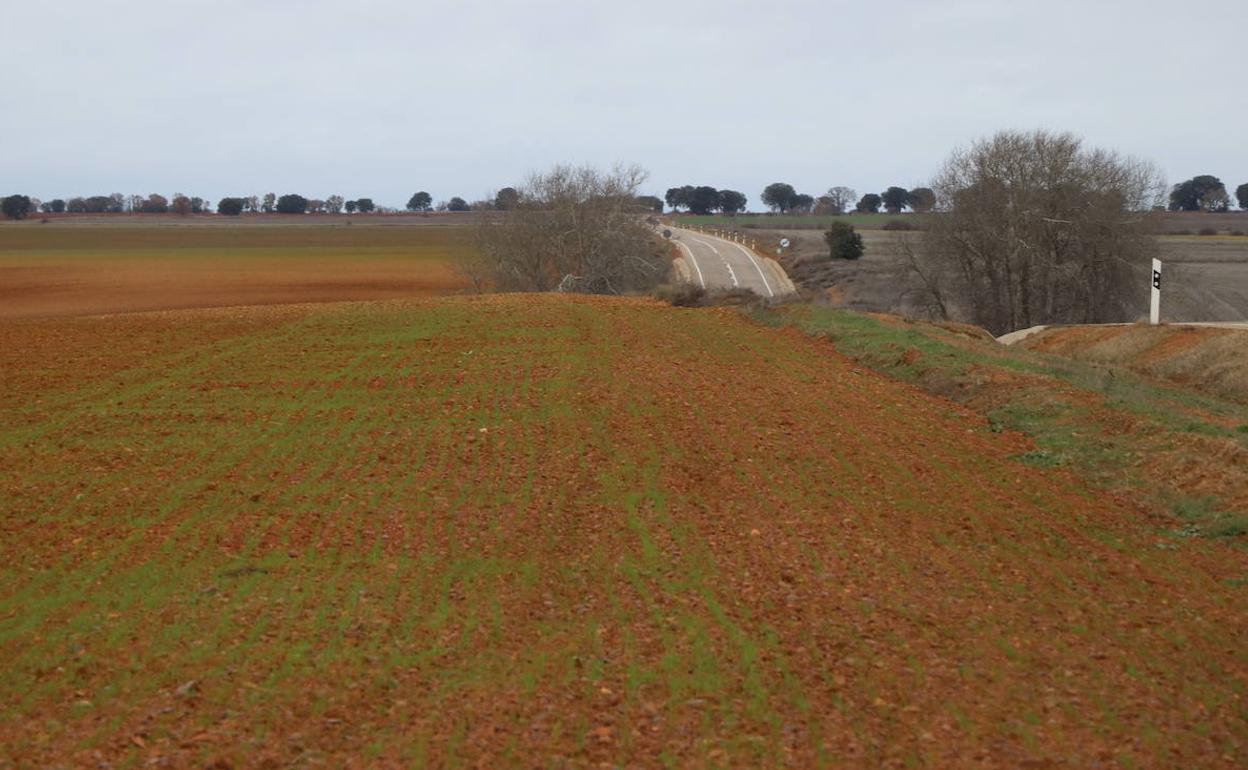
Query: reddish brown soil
pixel 553 532
pixel 118 287
pixel 87 269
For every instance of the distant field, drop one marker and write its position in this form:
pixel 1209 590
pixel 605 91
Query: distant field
pixel 546 531
pixel 799 221
pixel 59 269
pixel 1206 277
pixel 1193 222
pixel 1180 223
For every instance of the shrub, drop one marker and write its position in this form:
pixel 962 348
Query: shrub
pixel 843 242
pixel 1237 232
pixel 1208 231
pixel 681 294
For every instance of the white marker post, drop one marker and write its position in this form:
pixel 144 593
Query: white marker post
pixel 1154 310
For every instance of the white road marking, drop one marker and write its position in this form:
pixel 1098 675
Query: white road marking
pixel 757 267
pixel 731 273
pixel 694 260
pixel 708 245
pixel 766 284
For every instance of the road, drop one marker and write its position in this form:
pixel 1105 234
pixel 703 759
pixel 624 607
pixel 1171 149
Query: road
pixel 716 263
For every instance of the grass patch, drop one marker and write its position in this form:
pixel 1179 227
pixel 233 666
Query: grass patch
pixel 1203 517
pixel 1065 406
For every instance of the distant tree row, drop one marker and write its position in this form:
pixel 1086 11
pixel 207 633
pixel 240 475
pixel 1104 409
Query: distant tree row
pixel 292 203
pixel 781 197
pixel 21 206
pixel 1206 193
pixel 703 200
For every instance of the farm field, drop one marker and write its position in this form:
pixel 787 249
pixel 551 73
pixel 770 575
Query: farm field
pixel 797 221
pixel 1233 224
pixel 69 267
pixel 552 531
pixel 1206 276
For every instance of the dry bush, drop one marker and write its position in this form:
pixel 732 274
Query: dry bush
pixel 1033 228
pixel 572 229
pixel 681 294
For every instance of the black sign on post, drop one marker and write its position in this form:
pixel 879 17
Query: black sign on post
pixel 1157 280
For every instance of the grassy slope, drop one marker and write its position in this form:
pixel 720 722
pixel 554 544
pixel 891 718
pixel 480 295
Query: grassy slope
pixel 541 531
pixel 1167 445
pixel 1211 360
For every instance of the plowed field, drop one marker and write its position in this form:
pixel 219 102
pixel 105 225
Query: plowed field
pixel 546 532
pixel 62 269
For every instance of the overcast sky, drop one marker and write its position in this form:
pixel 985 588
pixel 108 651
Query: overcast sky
pixel 382 98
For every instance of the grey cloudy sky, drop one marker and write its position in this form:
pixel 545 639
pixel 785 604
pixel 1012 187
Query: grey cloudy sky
pixel 384 97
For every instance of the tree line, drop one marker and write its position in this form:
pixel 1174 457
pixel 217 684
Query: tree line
pixel 781 197
pixel 701 200
pixel 1206 193
pixel 22 206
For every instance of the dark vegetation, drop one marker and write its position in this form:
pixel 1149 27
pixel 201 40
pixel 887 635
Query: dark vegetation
pixel 700 200
pixel 843 242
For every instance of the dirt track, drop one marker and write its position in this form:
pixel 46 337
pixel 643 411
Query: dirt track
pixel 543 531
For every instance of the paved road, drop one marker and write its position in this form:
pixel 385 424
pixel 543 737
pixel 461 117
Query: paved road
pixel 715 263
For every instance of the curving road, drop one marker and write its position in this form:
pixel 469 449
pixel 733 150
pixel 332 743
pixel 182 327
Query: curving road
pixel 716 263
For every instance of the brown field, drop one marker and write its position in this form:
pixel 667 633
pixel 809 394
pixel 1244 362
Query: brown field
pixel 94 265
pixel 1206 278
pixel 543 531
pixel 1192 222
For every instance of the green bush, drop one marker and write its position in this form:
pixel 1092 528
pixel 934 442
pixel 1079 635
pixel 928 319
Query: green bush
pixel 843 242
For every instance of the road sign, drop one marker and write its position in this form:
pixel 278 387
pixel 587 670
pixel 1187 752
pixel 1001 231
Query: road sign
pixel 784 243
pixel 1154 308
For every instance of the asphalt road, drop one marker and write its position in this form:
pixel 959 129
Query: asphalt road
pixel 715 263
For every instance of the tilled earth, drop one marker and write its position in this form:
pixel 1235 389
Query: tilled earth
pixel 549 531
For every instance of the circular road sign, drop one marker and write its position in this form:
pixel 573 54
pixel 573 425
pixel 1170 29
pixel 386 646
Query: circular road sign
pixel 784 243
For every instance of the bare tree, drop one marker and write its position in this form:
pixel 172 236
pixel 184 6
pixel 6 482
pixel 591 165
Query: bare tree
pixel 1033 228
pixel 572 229
pixel 181 205
pixel 840 198
pixel 334 203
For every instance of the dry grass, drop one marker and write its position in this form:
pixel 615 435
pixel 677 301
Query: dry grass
pixel 1209 359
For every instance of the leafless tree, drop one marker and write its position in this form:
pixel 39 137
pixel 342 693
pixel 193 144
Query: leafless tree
pixel 840 198
pixel 334 203
pixel 572 229
pixel 181 205
pixel 1034 228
